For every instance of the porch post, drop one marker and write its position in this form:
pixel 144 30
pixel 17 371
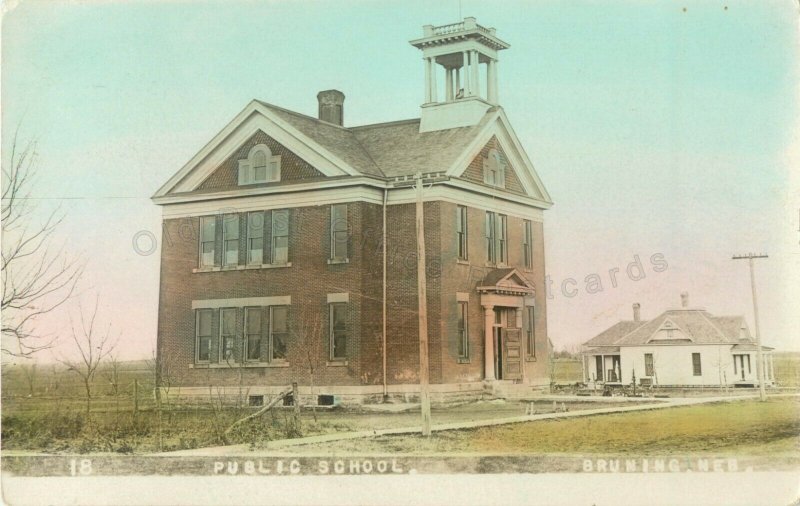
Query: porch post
pixel 488 355
pixel 771 368
pixel 583 368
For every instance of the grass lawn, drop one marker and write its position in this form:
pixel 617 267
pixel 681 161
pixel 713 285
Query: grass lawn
pixel 770 429
pixel 52 425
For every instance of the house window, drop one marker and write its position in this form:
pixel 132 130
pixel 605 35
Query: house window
pixel 252 324
pixel 339 232
pixel 255 238
pixel 461 231
pixel 280 237
pixel 527 244
pixel 278 331
pixel 230 239
pixel 748 364
pixel 463 331
pixel 530 330
pixel 260 166
pixel 227 334
pixel 491 229
pixel 648 364
pixel 338 331
pixel 502 238
pixel 203 337
pixel 698 371
pixel 494 169
pixel 208 240
pixel 598 363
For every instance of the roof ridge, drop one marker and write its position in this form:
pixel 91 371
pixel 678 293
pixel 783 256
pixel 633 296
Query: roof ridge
pixel 369 155
pixel 637 328
pixel 714 325
pixel 305 116
pixel 384 124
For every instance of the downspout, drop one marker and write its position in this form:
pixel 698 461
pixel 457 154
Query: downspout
pixel 385 385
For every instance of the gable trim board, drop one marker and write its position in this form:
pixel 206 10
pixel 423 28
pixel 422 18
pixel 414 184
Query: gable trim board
pixel 499 127
pixel 343 191
pixel 252 118
pixel 259 117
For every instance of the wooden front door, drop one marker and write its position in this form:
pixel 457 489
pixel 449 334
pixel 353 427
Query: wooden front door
pixel 512 353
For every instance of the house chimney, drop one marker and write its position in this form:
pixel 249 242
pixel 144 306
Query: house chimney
pixel 636 315
pixel 685 299
pixel 331 106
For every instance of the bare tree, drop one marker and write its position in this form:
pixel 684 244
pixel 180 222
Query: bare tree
pixel 93 347
pixel 308 333
pixel 36 277
pixel 30 373
pixel 111 373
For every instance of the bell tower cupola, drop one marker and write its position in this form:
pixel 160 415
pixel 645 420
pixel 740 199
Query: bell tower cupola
pixel 460 73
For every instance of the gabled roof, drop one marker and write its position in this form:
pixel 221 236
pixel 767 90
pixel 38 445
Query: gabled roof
pixel 506 280
pixel 697 324
pixel 383 150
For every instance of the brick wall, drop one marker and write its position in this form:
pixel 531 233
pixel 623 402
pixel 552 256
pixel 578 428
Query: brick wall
pixel 474 171
pixel 226 176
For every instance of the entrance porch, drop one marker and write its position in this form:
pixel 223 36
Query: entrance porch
pixel 504 295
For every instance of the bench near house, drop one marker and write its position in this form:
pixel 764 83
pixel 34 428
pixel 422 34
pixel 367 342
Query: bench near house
pixel 289 249
pixel 683 347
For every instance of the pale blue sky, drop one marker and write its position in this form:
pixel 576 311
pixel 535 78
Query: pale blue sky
pixel 656 130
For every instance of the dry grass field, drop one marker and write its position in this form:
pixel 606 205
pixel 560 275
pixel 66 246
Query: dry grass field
pixel 750 428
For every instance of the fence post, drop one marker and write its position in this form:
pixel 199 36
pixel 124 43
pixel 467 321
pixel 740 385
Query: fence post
pixel 135 396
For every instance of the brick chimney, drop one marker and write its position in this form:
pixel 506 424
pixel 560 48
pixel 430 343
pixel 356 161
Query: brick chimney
pixel 331 103
pixel 637 317
pixel 684 299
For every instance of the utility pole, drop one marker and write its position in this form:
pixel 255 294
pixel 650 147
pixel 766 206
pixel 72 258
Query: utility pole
pixel 760 365
pixel 424 371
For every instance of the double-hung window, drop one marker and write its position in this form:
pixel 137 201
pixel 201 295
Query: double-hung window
pixel 463 331
pixel 252 325
pixel 255 238
pixel 230 239
pixel 203 334
pixel 649 369
pixel 278 331
pixel 527 244
pixel 696 366
pixel 502 239
pixel 227 334
pixel 491 230
pixel 494 169
pixel 530 331
pixel 338 331
pixel 280 237
pixel 208 240
pixel 339 232
pixel 461 231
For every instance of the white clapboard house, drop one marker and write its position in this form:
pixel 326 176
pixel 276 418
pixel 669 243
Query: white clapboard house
pixel 687 346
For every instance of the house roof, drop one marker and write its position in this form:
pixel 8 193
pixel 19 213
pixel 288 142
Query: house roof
pixel 386 149
pixel 698 325
pixel 382 150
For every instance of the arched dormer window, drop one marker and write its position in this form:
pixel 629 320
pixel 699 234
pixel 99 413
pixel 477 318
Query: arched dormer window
pixel 260 166
pixel 494 169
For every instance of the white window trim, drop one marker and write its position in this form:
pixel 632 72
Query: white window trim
pixel 247 170
pixel 200 264
pixel 197 336
pixel 222 359
pixel 246 340
pixel 331 336
pixel 271 358
pixel 225 239
pixel 500 174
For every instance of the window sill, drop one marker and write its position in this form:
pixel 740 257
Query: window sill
pixel 337 363
pixel 464 361
pixel 241 267
pixel 235 365
pixel 530 359
pixel 462 261
pixel 332 261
